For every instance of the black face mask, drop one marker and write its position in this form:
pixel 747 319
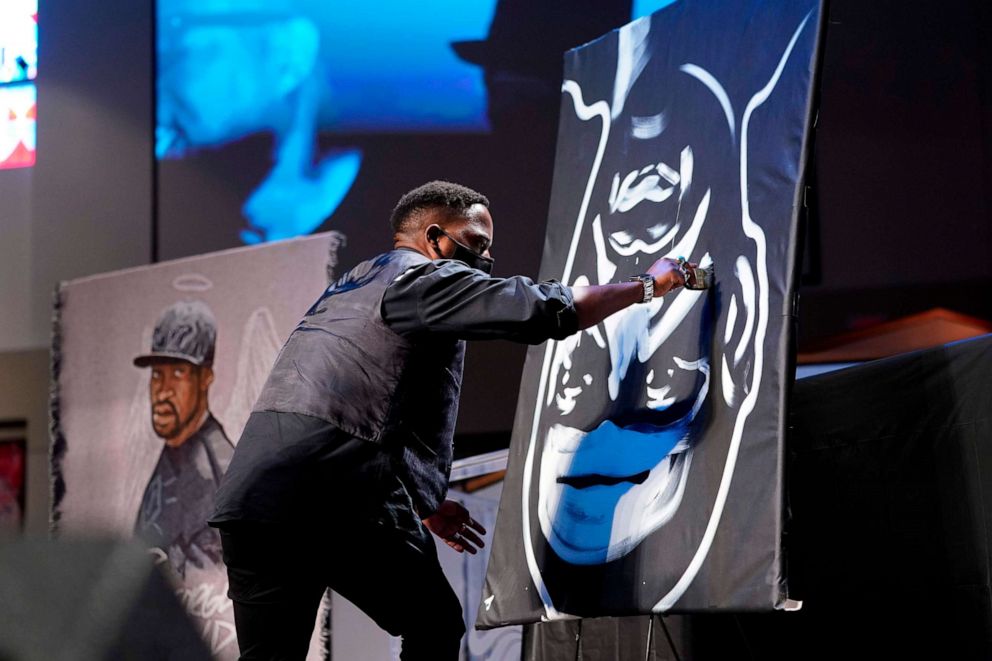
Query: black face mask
pixel 468 256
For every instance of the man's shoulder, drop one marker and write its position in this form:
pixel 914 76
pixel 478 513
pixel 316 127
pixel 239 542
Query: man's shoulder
pixel 437 270
pixel 387 265
pixel 398 257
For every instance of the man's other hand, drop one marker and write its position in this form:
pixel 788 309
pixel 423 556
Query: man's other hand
pixel 452 523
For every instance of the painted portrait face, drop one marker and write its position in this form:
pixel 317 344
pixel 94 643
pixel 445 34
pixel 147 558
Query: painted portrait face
pixel 178 391
pixel 610 478
pixel 638 420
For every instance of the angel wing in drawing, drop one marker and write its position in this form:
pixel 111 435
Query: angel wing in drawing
pixel 259 347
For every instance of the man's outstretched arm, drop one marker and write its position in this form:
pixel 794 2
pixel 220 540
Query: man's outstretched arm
pixel 446 297
pixel 597 302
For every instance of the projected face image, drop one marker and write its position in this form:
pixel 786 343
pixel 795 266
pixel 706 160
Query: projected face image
pixel 620 424
pixel 297 70
pixel 220 80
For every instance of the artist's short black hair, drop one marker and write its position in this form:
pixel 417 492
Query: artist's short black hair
pixel 432 195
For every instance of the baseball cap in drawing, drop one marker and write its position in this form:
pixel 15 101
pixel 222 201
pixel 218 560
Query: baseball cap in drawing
pixel 186 331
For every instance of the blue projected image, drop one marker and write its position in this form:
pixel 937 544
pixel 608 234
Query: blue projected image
pixel 18 96
pixel 295 68
pixel 298 69
pixel 18 135
pixel 18 40
pixel 648 7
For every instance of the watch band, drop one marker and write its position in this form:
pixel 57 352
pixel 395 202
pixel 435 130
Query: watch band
pixel 648 282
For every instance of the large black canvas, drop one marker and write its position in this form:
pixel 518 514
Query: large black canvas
pixel 646 464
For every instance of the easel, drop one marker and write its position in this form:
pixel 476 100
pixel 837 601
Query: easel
pixel 647 647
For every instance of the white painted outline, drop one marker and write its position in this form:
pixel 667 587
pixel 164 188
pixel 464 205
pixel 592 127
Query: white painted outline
pixel 706 78
pixel 728 332
pixel 754 232
pixel 745 276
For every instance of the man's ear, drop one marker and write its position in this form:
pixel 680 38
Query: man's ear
pixel 206 377
pixel 433 234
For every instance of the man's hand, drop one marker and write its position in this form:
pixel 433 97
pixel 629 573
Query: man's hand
pixel 667 275
pixel 452 523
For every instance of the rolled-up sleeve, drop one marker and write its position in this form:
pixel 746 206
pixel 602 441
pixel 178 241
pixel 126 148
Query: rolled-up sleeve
pixel 449 298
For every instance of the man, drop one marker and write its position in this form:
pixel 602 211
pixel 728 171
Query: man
pixel 180 493
pixel 343 465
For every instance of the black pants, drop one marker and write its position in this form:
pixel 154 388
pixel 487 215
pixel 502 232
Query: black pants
pixel 277 577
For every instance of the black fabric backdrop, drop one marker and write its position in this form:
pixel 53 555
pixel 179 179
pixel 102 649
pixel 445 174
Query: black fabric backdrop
pixel 890 482
pixel 646 463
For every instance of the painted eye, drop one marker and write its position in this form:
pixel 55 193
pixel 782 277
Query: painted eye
pixel 177 372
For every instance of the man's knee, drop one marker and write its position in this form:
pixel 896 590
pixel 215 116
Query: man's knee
pixel 436 634
pixel 447 611
pixel 451 619
pixel 441 615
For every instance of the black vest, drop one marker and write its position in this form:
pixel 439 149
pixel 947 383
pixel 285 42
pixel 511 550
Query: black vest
pixel 343 364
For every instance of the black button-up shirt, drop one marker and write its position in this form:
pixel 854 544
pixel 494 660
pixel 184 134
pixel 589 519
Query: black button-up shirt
pixel 290 468
pixel 448 297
